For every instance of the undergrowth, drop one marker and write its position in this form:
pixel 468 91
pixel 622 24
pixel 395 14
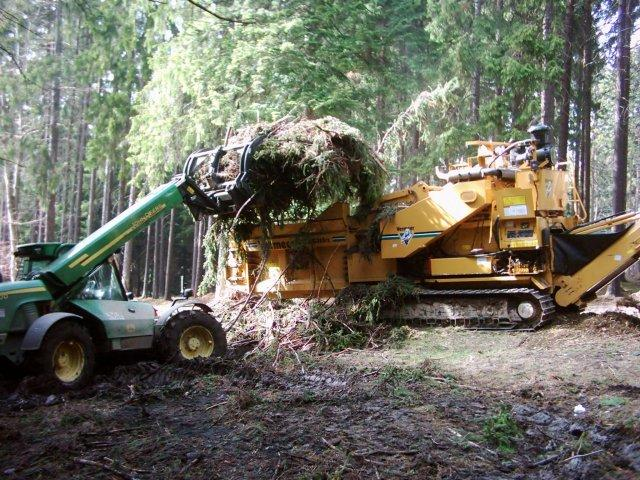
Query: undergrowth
pixel 398 382
pixel 502 431
pixel 353 319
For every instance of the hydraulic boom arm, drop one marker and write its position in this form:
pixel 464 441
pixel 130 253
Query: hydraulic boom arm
pixel 199 187
pixel 81 259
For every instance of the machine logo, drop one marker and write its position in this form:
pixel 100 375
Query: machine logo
pixel 548 188
pixel 406 236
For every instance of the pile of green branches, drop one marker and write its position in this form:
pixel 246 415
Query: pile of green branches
pixel 305 165
pixel 353 319
pixel 302 167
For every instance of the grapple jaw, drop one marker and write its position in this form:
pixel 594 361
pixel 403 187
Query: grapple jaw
pixel 207 191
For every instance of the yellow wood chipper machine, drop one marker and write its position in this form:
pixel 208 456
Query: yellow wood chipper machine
pixel 500 245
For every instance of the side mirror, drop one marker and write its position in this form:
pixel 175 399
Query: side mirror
pixel 129 295
pixel 187 293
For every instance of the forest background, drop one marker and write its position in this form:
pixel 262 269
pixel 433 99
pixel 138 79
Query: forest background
pixel 101 101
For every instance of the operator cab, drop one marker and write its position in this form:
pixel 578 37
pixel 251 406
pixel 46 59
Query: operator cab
pixel 104 283
pixel 33 257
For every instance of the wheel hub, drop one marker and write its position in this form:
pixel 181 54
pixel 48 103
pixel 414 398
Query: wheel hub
pixel 196 341
pixel 68 361
pixel 526 310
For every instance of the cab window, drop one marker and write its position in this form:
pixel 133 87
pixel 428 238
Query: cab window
pixel 103 284
pixel 28 268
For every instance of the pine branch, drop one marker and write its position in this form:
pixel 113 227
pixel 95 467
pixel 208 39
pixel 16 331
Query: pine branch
pixel 10 17
pixel 14 60
pixel 3 159
pixel 217 15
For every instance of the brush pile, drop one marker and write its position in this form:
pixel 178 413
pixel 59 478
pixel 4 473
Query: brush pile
pixel 302 167
pixel 351 320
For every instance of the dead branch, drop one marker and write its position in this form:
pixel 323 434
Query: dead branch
pixel 217 15
pixel 385 452
pixel 104 466
pixel 14 61
pixel 253 287
pixel 595 452
pixel 189 465
pixel 215 405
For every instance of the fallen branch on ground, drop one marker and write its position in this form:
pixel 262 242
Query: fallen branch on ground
pixel 104 466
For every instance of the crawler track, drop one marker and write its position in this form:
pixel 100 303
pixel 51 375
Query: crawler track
pixel 480 309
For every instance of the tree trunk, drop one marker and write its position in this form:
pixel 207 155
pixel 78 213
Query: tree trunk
pixel 79 170
pixel 156 260
pixel 92 200
pixel 33 234
pixel 63 210
pixel 106 193
pixel 68 197
pixel 82 135
pixel 621 134
pixel 11 199
pixel 12 226
pixel 128 247
pixel 577 140
pixel 585 129
pixel 498 39
pixel 637 199
pixel 145 276
pixel 50 218
pixel 122 196
pixel 565 83
pixel 168 275
pixel 122 189
pixel 50 224
pixel 162 258
pixel 400 164
pixel 194 255
pixel 201 232
pixel 475 78
pixel 548 94
pixel 4 237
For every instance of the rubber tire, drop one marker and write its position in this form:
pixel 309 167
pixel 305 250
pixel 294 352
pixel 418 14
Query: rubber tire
pixel 61 331
pixel 170 337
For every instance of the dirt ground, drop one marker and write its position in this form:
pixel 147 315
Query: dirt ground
pixel 562 402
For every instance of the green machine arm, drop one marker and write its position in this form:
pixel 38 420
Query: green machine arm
pixel 199 187
pixel 78 262
pixel 93 250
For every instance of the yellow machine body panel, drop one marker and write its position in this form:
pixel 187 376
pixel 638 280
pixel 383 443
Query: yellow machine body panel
pixel 480 265
pixel 371 268
pixel 412 228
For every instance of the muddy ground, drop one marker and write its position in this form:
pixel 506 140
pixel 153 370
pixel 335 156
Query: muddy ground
pixel 444 403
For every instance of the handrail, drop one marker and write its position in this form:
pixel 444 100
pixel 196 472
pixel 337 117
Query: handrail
pixel 578 200
pixel 607 223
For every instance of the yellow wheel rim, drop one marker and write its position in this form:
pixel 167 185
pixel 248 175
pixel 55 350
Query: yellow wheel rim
pixel 68 361
pixel 196 341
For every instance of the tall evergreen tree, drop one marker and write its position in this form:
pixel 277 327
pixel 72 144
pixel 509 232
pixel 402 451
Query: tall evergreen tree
pixel 621 132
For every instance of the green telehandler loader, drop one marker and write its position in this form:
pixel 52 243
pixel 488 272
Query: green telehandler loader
pixel 69 302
